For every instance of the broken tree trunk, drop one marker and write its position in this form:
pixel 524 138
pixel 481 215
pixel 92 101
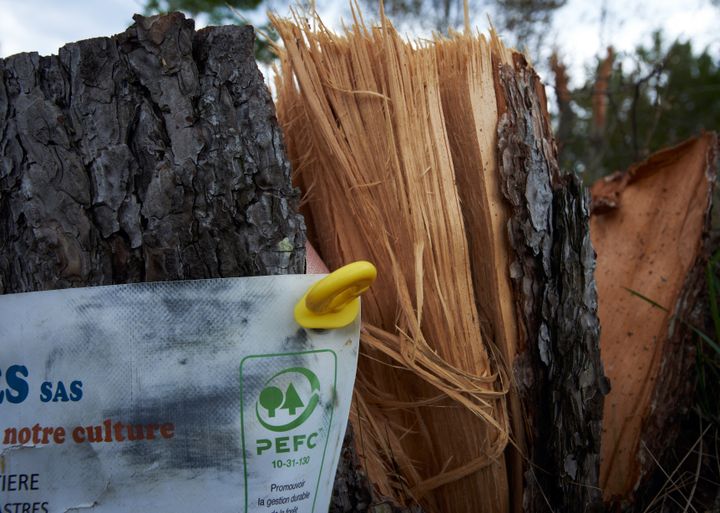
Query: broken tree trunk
pixel 423 158
pixel 150 155
pixel 649 228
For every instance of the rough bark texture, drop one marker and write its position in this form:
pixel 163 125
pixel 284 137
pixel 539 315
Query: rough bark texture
pixel 150 155
pixel 559 371
pixel 352 492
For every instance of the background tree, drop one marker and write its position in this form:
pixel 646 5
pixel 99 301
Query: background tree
pixel 656 97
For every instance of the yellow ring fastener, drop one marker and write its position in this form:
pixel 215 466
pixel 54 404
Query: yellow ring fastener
pixel 334 301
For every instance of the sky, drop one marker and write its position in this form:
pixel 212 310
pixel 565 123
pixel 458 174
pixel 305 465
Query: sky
pixel 629 23
pixel 578 32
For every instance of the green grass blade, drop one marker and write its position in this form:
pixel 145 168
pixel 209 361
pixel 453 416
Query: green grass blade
pixel 709 341
pixel 703 336
pixel 713 293
pixel 647 299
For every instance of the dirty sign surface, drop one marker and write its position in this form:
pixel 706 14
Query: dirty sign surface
pixel 177 396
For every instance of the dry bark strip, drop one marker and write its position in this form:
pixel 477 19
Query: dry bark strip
pixel 558 369
pixel 650 228
pixel 150 155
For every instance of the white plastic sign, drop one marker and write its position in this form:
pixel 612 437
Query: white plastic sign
pixel 177 397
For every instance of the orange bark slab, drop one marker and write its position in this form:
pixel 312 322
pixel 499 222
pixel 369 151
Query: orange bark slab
pixel 648 227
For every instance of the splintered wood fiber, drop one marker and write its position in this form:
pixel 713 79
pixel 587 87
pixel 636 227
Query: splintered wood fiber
pixel 467 89
pixel 648 227
pixel 390 142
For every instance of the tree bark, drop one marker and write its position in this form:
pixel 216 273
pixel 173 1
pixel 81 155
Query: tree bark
pixel 150 155
pixel 558 370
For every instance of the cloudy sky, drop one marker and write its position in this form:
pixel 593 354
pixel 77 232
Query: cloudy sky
pixel 44 25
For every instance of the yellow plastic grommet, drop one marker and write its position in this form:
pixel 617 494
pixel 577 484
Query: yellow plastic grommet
pixel 334 301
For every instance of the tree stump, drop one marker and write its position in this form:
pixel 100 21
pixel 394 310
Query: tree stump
pixel 151 155
pixel 650 227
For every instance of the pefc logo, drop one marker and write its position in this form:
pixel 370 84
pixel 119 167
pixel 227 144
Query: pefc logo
pixel 280 407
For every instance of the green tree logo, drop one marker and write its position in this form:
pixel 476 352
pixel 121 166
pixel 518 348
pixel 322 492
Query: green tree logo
pixel 292 400
pixel 272 399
